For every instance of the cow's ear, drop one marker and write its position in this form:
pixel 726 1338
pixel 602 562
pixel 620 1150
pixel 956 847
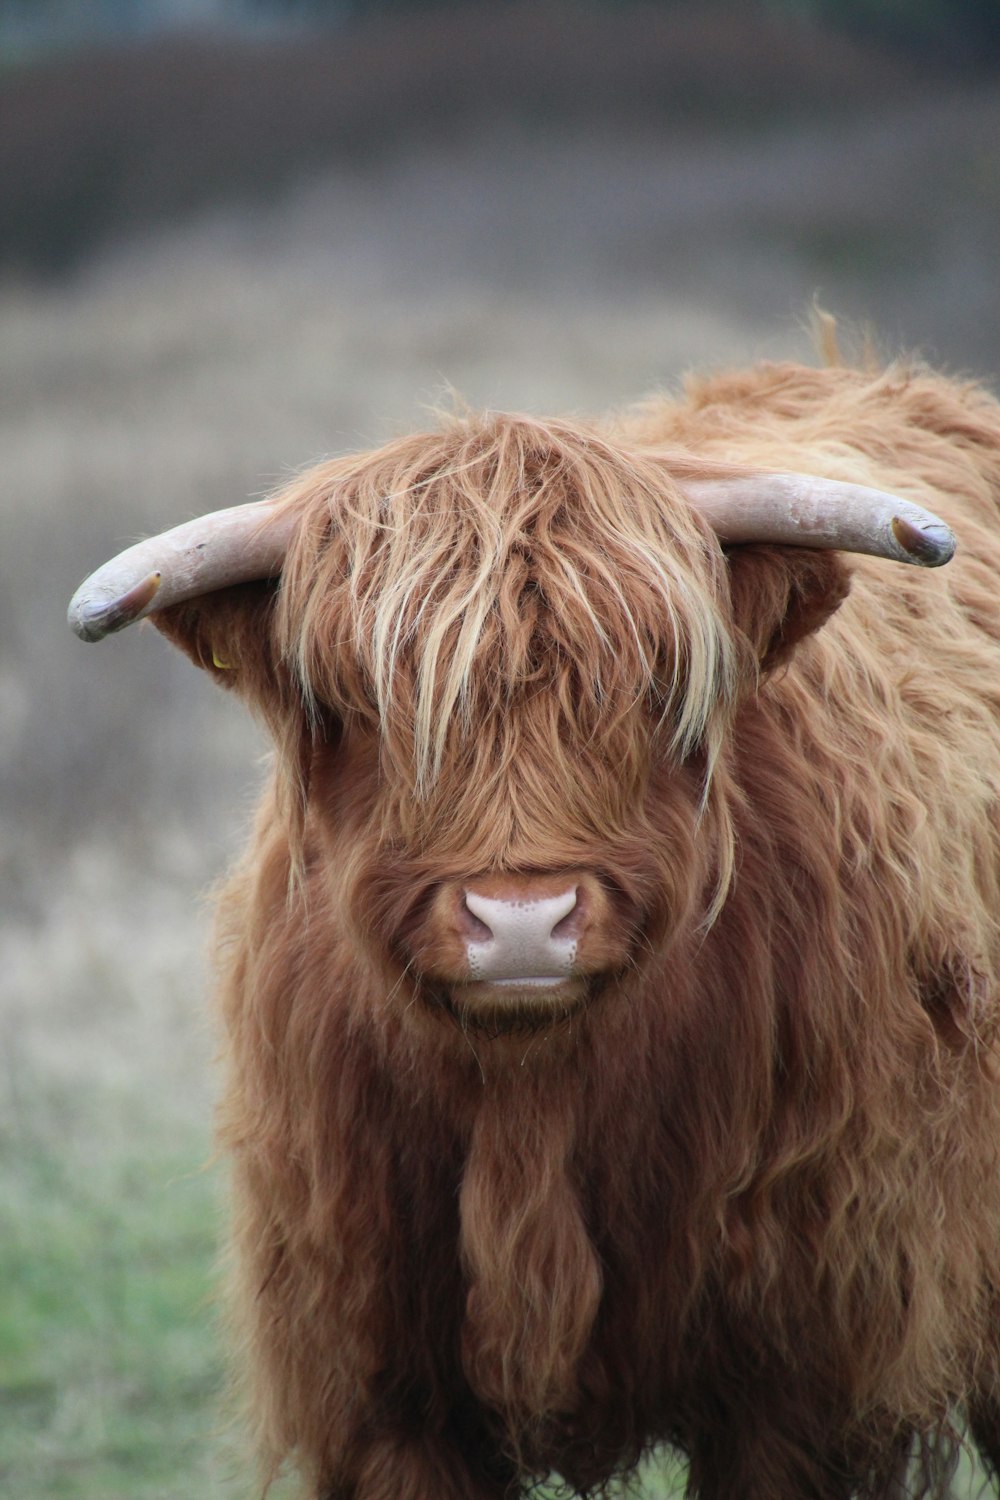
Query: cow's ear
pixel 779 595
pixel 230 634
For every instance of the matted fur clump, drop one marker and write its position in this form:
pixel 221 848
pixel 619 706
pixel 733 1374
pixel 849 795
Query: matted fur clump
pixel 739 1188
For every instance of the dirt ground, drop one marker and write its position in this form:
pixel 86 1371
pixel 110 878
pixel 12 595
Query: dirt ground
pixel 190 366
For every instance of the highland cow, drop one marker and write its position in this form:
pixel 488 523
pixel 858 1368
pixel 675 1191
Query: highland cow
pixel 611 986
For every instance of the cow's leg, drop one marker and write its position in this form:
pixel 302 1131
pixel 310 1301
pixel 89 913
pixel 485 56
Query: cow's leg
pixel 428 1467
pixel 762 1463
pixel 760 1477
pixel 984 1424
pixel 898 1471
pixel 984 1404
pixel 769 1469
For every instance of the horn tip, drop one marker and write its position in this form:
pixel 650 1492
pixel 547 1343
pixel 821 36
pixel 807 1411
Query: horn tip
pixel 92 619
pixel 930 545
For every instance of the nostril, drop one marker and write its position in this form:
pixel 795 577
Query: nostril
pixel 474 929
pixel 569 925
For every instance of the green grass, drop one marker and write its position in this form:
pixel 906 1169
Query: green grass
pixel 109 1368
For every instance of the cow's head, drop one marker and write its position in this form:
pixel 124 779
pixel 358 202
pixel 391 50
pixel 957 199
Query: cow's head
pixel 500 662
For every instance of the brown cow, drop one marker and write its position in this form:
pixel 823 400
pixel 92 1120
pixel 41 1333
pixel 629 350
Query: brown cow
pixel 611 986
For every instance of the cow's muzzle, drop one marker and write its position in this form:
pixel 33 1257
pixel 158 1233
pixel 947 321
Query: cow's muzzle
pixel 525 944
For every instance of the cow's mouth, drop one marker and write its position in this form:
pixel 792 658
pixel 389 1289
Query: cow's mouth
pixel 501 1007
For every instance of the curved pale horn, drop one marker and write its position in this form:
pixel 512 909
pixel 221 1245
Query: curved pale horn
pixel 227 546
pixel 799 510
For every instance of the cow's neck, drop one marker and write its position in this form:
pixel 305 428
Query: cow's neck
pixel 534 1279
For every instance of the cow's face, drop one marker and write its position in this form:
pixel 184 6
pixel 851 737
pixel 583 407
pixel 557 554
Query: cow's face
pixel 539 865
pixel 522 664
pixel 501 666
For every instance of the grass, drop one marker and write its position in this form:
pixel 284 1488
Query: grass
pixel 109 1371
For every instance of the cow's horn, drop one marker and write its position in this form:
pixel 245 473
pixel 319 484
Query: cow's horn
pixel 228 546
pixel 799 510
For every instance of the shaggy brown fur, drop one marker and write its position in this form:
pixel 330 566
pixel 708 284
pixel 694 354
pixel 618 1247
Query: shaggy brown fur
pixel 747 1198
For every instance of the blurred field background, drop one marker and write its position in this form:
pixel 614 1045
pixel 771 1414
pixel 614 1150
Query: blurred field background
pixel 235 238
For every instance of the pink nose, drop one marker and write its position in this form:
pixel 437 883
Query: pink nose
pixel 529 936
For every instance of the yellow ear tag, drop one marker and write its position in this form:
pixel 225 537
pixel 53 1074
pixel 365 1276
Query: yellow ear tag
pixel 223 666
